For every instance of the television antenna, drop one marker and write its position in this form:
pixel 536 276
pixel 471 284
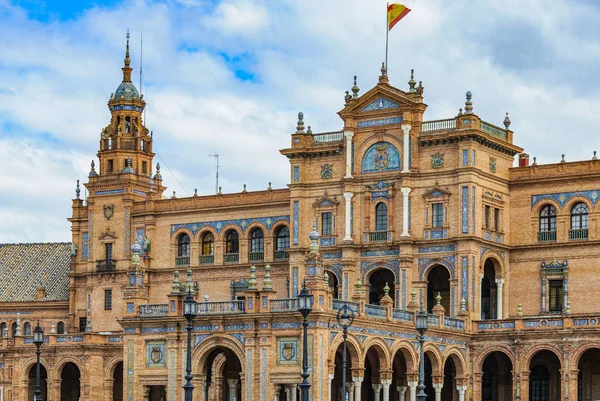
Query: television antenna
pixel 216 156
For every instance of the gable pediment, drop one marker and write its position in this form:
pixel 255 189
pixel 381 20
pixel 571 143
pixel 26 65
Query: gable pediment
pixel 107 235
pixel 436 192
pixel 325 202
pixel 381 97
pixel 381 103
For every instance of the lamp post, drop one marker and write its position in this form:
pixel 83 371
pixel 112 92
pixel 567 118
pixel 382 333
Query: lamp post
pixel 189 311
pixel 422 328
pixel 305 303
pixel 38 340
pixel 345 317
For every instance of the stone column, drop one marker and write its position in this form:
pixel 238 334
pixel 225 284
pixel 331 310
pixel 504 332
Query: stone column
pixel 437 387
pixel 348 135
pixel 232 384
pixel 386 383
pixel 357 384
pixel 349 391
pixel 413 390
pixel 479 300
pixel 377 391
pixel 406 158
pixel 405 217
pixel 402 392
pixel 348 196
pixel 499 285
pixel 294 392
pixel 461 392
pixel 205 386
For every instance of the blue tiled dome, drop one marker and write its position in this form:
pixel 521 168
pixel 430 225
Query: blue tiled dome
pixel 127 90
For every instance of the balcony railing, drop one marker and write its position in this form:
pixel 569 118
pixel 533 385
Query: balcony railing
pixel 338 303
pixel 403 315
pixel 433 320
pixel 284 304
pixel 438 125
pixel 452 323
pixel 547 236
pixel 575 235
pixel 281 255
pixel 256 256
pixel 221 307
pixel 182 261
pixel 105 266
pixel 207 259
pixel 328 137
pixel 231 258
pixel 154 310
pixel 375 310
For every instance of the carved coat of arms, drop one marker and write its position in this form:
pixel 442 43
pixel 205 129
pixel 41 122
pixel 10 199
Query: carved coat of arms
pixel 109 210
pixel 493 164
pixel 326 171
pixel 288 351
pixel 437 160
pixel 382 157
pixel 157 354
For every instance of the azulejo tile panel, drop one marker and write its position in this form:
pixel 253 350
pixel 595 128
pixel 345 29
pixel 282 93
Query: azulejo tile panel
pixel 218 225
pixel 381 156
pixel 563 197
pixel 448 261
pixel 377 122
pixel 380 104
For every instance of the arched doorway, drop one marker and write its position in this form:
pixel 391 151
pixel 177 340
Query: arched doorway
pixel 588 377
pixel 374 359
pixel 488 291
pixel 496 382
pixel 377 282
pixel 351 362
pixel 43 382
pixel 401 364
pixel 223 372
pixel 438 281
pixel 544 377
pixel 430 364
pixel 333 283
pixel 449 387
pixel 70 383
pixel 118 382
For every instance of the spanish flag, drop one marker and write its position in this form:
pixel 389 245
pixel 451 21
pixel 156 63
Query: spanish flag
pixel 395 12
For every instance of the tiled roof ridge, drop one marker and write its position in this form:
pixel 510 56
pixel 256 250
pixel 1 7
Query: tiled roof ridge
pixel 35 243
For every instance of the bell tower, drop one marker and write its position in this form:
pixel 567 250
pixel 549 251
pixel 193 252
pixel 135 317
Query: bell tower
pixel 125 143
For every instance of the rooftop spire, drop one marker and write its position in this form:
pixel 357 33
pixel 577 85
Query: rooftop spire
pixel 127 69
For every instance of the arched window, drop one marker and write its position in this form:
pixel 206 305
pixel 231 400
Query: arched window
pixel 381 217
pixel 183 246
pixel 579 217
pixel 27 329
pixel 208 242
pixel 60 328
pixel 13 329
pixel 282 238
pixel 3 330
pixel 232 242
pixel 257 240
pixel 548 219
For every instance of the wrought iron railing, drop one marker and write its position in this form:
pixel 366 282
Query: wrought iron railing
pixel 281 255
pixel 578 234
pixel 547 236
pixel 154 310
pixel 182 261
pixel 378 236
pixel 207 259
pixel 105 266
pixel 256 256
pixel 221 307
pixel 231 257
pixel 284 304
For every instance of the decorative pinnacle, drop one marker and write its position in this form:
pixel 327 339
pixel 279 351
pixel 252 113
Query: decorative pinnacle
pixel 438 299
pixel 534 161
pixel 412 82
pixel 252 280
pixel 383 69
pixel 77 190
pixel 506 121
pixel 92 170
pixel 469 104
pixel 460 113
pixel 386 289
pixel 562 160
pixel 127 60
pixel 267 282
pixel 355 90
pixel 158 176
pixel 270 188
pixel 300 126
pixel 195 191
pixel 595 157
pixel 309 131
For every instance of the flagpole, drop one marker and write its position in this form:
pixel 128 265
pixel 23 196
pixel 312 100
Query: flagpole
pixel 387 33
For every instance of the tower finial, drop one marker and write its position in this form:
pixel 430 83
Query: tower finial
pixel 355 90
pixel 412 82
pixel 468 104
pixel 127 60
pixel 126 68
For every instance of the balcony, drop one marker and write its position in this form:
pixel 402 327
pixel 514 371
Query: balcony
pixel 256 256
pixel 281 255
pixel 547 236
pixel 221 308
pixel 207 259
pixel 374 237
pixel 103 266
pixel 377 311
pixel 154 310
pixel 284 304
pixel 578 235
pixel 231 258
pixel 182 261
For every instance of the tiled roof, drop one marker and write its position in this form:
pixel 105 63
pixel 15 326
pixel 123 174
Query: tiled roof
pixel 23 267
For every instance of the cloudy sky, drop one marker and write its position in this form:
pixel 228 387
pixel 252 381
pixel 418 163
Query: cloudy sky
pixel 230 76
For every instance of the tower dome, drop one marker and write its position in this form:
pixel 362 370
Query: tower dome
pixel 126 90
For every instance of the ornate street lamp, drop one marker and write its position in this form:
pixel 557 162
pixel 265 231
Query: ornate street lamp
pixel 38 340
pixel 189 311
pixel 305 303
pixel 345 317
pixel 422 324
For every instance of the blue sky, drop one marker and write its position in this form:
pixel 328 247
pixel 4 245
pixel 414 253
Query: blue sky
pixel 230 76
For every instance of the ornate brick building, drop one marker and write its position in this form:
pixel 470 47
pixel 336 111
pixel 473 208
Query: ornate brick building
pixel 408 213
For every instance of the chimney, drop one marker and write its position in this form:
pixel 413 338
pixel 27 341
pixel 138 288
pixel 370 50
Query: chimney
pixel 523 160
